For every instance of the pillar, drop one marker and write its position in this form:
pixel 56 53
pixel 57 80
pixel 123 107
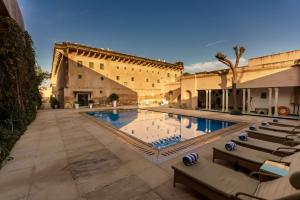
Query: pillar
pixel 244 101
pixel 226 100
pixel 223 100
pixel 206 99
pixel 270 102
pixel 209 99
pixel 276 102
pixel 248 100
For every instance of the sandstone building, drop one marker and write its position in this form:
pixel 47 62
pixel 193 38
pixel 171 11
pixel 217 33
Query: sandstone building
pixel 80 73
pixel 269 85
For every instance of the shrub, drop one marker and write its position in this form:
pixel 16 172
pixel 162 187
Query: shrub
pixel 113 97
pixel 235 112
pixel 53 102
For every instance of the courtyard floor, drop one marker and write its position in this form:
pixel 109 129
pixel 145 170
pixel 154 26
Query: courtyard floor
pixel 64 155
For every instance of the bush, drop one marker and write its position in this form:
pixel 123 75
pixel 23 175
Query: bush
pixel 235 112
pixel 113 97
pixel 54 102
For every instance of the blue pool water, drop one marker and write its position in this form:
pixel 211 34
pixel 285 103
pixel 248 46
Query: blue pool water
pixel 159 129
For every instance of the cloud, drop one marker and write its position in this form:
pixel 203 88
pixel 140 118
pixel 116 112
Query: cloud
pixel 211 66
pixel 215 43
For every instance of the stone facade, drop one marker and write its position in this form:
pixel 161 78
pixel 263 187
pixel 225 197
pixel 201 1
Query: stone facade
pixel 270 81
pixel 95 73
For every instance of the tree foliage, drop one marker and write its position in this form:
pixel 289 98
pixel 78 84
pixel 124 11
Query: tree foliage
pixel 19 84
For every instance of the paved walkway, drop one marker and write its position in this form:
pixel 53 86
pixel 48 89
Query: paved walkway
pixel 64 155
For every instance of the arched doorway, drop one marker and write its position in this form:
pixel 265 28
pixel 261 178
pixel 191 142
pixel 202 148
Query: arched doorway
pixel 188 98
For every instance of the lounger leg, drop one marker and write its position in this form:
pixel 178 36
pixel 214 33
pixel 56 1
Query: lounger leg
pixel 236 166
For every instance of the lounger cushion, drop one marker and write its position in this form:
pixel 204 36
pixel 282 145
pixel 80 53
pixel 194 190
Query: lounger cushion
pixel 271 133
pixel 281 128
pixel 218 178
pixel 280 187
pixel 259 144
pixel 248 154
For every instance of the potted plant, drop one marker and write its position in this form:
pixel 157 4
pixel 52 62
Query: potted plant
pixel 91 102
pixel 76 104
pixel 54 102
pixel 113 98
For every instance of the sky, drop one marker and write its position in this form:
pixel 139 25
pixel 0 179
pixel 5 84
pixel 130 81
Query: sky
pixel 191 31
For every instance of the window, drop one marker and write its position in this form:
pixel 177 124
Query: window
pixel 100 91
pixel 147 80
pixel 175 75
pixel 102 78
pixel 147 71
pixel 132 78
pixel 124 68
pixel 79 76
pixel 79 63
pixel 168 74
pixel 118 77
pixel 152 84
pixel 117 67
pixel 91 65
pixel 101 66
pixel 158 81
pixel 132 69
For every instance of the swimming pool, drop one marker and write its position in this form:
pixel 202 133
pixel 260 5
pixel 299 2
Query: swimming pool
pixel 158 129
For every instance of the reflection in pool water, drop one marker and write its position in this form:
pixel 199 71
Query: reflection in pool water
pixel 159 129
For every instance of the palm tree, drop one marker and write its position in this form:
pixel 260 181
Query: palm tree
pixel 239 51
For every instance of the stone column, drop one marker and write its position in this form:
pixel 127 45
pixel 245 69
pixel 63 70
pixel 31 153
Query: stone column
pixel 223 100
pixel 209 99
pixel 226 100
pixel 270 102
pixel 244 101
pixel 206 99
pixel 248 100
pixel 276 102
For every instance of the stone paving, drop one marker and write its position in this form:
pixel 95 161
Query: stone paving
pixel 64 155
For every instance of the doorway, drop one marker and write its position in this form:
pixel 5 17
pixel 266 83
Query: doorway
pixel 83 99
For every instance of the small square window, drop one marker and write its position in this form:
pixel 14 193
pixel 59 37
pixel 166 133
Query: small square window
pixel 102 78
pixel 101 66
pixel 79 76
pixel 152 84
pixel 132 69
pixel 175 75
pixel 147 80
pixel 118 77
pixel 147 71
pixel 91 65
pixel 117 67
pixel 79 63
pixel 132 78
pixel 100 91
pixel 158 81
pixel 168 74
pixel 124 68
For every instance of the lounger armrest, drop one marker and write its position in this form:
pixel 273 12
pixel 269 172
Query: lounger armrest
pixel 291 135
pixel 279 161
pixel 291 142
pixel 263 174
pixel 239 194
pixel 287 148
pixel 292 131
